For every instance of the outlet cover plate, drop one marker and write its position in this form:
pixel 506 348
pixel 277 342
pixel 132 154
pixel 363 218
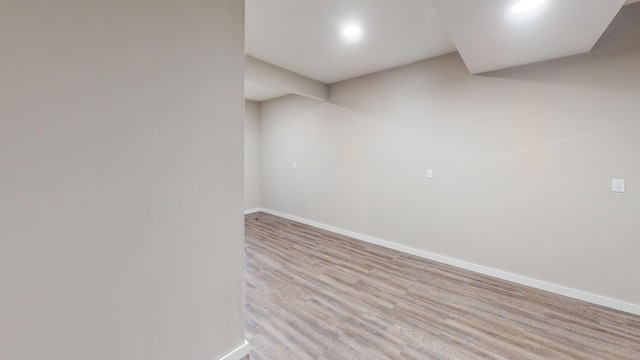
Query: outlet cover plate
pixel 618 185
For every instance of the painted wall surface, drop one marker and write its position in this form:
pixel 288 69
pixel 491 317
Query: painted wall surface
pixel 522 160
pixel 251 155
pixel 121 136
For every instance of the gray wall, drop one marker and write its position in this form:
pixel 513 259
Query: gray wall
pixel 522 159
pixel 121 179
pixel 251 155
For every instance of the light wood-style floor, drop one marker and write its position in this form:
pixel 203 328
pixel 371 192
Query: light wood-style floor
pixel 312 294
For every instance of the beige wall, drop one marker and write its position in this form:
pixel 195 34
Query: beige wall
pixel 121 179
pixel 522 159
pixel 251 155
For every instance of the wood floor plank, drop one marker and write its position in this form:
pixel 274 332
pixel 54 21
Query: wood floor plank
pixel 312 294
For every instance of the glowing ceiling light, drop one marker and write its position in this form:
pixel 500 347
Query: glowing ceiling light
pixel 351 31
pixel 524 6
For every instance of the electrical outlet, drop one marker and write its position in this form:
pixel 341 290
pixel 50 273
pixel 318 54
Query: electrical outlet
pixel 429 174
pixel 618 185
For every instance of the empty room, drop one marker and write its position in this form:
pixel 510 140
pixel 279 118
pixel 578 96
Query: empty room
pixel 442 179
pixel 319 179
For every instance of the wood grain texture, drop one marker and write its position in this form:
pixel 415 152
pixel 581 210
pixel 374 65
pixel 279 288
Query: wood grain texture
pixel 312 294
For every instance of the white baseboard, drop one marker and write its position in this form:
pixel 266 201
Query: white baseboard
pixel 239 353
pixel 523 280
pixel 251 211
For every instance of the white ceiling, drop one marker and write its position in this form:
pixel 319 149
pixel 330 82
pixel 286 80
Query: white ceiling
pixel 489 36
pixel 304 36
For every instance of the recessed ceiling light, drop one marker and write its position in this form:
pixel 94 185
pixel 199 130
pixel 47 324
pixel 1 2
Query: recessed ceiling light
pixel 352 31
pixel 524 6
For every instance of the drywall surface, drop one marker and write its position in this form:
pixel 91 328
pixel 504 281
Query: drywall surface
pixel 522 162
pixel 251 155
pixel 121 228
pixel 266 74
